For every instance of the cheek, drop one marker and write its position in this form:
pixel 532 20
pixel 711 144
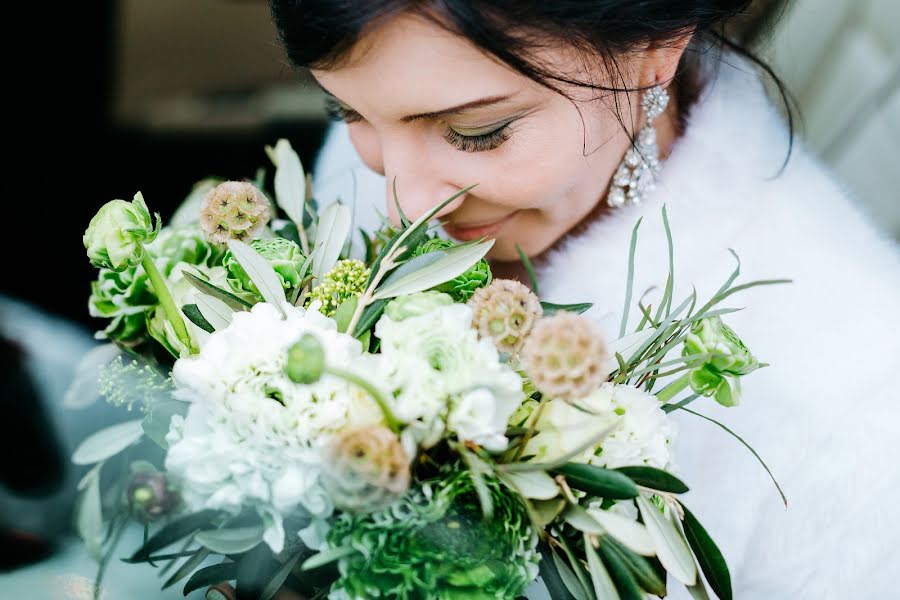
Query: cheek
pixel 367 145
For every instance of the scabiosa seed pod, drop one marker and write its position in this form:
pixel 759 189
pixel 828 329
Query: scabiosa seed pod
pixel 234 210
pixel 347 278
pixel 368 469
pixel 149 496
pixel 505 311
pixel 565 356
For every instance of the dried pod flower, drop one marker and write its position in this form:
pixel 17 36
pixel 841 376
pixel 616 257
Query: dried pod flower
pixel 369 469
pixel 347 278
pixel 505 311
pixel 565 356
pixel 234 210
pixel 149 495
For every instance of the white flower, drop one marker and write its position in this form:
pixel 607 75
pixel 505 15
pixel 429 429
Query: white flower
pixel 435 363
pixel 640 433
pixel 253 437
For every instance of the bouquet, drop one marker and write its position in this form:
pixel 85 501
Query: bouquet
pixel 393 425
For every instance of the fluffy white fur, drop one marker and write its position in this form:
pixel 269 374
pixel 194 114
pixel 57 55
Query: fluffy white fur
pixel 826 414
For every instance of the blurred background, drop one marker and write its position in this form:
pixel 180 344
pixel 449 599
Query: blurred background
pixel 114 96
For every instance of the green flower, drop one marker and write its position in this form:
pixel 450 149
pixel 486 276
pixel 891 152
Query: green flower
pixel 348 278
pixel 285 257
pixel 460 288
pixel 732 360
pixel 435 543
pixel 116 235
pixel 127 298
pixel 415 305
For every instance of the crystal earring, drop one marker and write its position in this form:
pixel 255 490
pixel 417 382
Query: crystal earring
pixel 636 176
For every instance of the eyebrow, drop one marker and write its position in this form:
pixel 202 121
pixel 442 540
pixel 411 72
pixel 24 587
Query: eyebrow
pixel 488 101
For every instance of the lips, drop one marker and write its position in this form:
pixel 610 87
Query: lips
pixel 467 233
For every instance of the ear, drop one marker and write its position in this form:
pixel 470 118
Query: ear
pixel 660 60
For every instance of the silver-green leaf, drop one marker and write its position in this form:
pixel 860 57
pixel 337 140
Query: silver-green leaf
pixel 604 588
pixel 334 226
pixel 290 181
pixel 671 547
pixel 107 442
pixel 217 313
pixel 260 273
pixel 532 484
pixel 230 541
pixel 89 515
pixel 454 263
pixel 632 534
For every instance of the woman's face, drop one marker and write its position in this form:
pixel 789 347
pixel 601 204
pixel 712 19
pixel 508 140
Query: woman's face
pixel 428 108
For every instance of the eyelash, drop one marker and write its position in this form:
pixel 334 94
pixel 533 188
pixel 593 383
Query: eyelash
pixel 464 143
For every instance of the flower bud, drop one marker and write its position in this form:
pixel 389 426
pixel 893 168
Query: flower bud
pixel 565 356
pixel 149 496
pixel 368 469
pixel 416 305
pixel 115 236
pixel 733 359
pixel 505 311
pixel 348 278
pixel 234 210
pixel 305 361
pixel 463 286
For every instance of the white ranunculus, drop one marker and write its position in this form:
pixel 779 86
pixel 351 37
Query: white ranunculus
pixel 434 361
pixel 253 437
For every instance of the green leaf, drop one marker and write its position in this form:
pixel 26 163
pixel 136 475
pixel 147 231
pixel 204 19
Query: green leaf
pixel 551 576
pixel 477 470
pixel 621 575
pixel 629 283
pixel 550 308
pixel 599 481
pixel 698 590
pixel 665 304
pixel 326 556
pixel 211 575
pixel 174 531
pixel 260 272
pixel 196 317
pixel 217 313
pixel 344 313
pixel 404 222
pixel 186 567
pixel 412 265
pixel 455 262
pixel 655 479
pixel 532 276
pixel 158 417
pixel 370 315
pixel 604 588
pixel 630 533
pixel 334 227
pixel 216 292
pixel 749 447
pixel 290 181
pixel 230 541
pixel 546 511
pixel 89 514
pixel 278 578
pixel 671 548
pixel 641 569
pixel 710 558
pixel 107 442
pixel 569 579
pixel 532 484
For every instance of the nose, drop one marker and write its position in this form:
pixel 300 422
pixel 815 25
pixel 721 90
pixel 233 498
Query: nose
pixel 413 182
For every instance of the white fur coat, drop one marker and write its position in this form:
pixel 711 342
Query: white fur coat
pixel 826 415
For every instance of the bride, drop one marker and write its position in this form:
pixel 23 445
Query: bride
pixel 543 104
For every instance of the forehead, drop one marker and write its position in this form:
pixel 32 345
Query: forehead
pixel 414 65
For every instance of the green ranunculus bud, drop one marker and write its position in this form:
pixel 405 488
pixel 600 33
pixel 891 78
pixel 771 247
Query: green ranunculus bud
pixel 285 257
pixel 116 235
pixel 126 298
pixel 415 305
pixel 733 359
pixel 305 361
pixel 347 278
pixel 462 287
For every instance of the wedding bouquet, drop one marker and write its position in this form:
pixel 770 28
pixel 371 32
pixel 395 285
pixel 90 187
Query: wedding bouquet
pixel 396 425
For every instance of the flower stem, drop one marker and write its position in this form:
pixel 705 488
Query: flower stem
pixel 670 391
pixel 166 301
pixel 376 394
